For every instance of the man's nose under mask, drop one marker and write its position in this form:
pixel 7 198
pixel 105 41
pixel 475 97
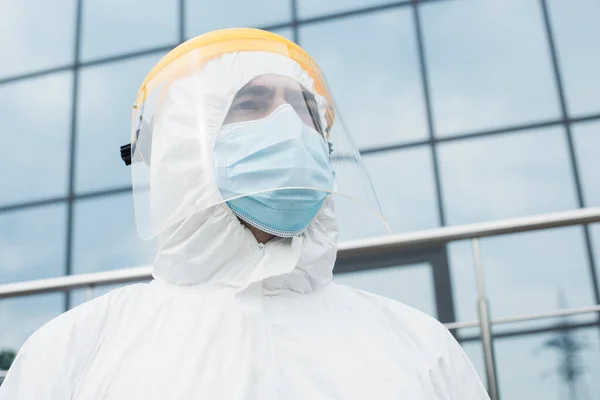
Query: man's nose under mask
pixel 275 173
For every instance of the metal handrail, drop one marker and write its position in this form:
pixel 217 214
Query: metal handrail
pixel 437 236
pixel 70 282
pixel 346 249
pixel 527 317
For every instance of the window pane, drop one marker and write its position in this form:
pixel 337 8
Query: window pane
pixel 535 367
pixel 587 145
pixel 36 120
pixel 404 184
pixel 205 16
pixel 21 316
pixel 36 34
pixel 354 220
pixel 474 351
pixel 524 273
pixel 287 33
pixel 312 8
pixel 409 284
pixel 576 33
pixel 488 64
pixel 508 175
pixel 114 26
pixel 105 236
pixel 372 69
pixel 106 95
pixel 32 243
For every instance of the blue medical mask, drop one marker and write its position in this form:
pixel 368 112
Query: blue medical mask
pixel 277 152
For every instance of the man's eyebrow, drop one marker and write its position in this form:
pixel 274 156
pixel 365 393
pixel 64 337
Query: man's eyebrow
pixel 256 90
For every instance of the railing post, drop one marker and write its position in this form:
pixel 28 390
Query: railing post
pixel 483 312
pixel 89 293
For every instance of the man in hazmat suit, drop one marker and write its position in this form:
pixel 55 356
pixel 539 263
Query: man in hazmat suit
pixel 236 153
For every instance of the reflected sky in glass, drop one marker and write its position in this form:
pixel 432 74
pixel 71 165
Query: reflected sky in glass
pixel 504 176
pixel 205 16
pixel 587 147
pixel 410 284
pixel 287 33
pixel 356 220
pixel 576 33
pixel 529 367
pixel 313 8
pixel 32 246
pixel 474 351
pixel 112 27
pixel 488 64
pixel 35 130
pixel 524 273
pixel 20 317
pixel 105 236
pixel 32 243
pixel 106 96
pixel 372 69
pixel 35 35
pixel 404 183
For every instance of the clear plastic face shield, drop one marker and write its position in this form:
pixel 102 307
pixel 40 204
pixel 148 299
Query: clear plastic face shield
pixel 254 127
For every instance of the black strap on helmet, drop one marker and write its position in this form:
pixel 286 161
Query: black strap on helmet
pixel 126 153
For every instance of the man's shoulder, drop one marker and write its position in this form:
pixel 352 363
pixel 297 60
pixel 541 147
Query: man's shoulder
pixel 83 317
pixel 403 316
pixel 452 371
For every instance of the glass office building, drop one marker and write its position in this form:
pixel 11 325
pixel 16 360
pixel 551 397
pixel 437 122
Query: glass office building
pixel 465 111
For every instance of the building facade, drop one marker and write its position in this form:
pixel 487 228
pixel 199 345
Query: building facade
pixel 465 111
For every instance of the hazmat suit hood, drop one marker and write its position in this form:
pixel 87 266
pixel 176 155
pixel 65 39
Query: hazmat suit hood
pixel 211 247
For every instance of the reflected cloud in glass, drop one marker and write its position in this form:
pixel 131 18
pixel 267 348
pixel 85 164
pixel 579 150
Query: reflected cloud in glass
pixel 404 183
pixel 529 367
pixel 409 284
pixel 372 68
pixel 32 243
pixel 524 273
pixel 504 176
pixel 20 317
pixel 576 33
pixel 36 34
pixel 35 130
pixel 488 64
pixel 106 96
pixel 205 16
pixel 111 27
pixel 313 8
pixel 105 236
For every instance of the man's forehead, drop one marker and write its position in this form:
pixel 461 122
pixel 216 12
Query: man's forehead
pixel 275 81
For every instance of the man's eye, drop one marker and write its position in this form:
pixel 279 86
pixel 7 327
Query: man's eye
pixel 249 105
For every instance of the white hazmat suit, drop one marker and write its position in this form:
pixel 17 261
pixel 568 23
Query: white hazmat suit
pixel 226 317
